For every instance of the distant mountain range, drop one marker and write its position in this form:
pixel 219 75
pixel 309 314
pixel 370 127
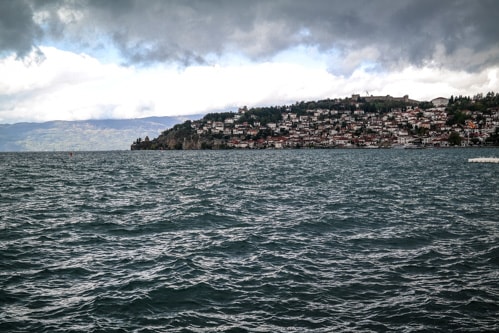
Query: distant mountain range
pixel 86 135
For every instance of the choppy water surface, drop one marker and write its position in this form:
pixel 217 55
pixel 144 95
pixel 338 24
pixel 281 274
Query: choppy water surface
pixel 249 241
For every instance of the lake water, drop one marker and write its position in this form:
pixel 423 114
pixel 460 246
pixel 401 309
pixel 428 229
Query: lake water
pixel 249 241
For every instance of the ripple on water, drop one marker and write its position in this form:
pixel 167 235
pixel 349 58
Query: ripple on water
pixel 280 241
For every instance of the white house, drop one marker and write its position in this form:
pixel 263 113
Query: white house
pixel 440 101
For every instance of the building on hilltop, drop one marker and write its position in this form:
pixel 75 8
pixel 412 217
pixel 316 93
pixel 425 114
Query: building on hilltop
pixel 387 98
pixel 440 101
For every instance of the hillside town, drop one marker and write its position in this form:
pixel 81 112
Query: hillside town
pixel 410 125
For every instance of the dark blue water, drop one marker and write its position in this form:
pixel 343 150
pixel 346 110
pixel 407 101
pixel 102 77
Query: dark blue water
pixel 249 241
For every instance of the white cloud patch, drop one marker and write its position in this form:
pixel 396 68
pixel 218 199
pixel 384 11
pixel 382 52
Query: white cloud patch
pixel 345 63
pixel 70 86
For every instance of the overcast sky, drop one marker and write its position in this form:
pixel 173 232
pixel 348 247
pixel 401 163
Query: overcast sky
pixel 72 60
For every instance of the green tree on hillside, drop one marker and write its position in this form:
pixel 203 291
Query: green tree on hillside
pixel 454 139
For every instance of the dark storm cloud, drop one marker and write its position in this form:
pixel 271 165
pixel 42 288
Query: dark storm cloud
pixel 18 32
pixel 404 32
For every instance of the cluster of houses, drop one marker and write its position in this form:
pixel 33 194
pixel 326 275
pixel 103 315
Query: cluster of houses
pixel 408 127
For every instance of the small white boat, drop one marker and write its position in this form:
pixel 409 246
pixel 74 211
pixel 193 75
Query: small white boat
pixel 484 160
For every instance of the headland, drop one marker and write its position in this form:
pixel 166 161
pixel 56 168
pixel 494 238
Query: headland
pixel 353 122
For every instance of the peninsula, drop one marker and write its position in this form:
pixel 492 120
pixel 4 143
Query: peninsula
pixel 353 122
